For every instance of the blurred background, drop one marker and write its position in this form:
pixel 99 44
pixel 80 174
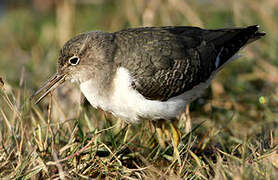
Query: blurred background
pixel 241 102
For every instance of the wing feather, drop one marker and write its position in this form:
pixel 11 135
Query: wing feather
pixel 167 61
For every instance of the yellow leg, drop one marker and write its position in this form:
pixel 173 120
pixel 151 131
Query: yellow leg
pixel 160 138
pixel 186 120
pixel 164 134
pixel 169 133
pixel 176 134
pixel 160 132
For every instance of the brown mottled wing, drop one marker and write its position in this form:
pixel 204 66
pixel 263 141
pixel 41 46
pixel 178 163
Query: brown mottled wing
pixel 167 61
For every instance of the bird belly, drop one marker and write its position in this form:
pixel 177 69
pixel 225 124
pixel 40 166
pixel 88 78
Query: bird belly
pixel 129 104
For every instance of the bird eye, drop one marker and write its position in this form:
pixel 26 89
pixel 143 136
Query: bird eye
pixel 74 60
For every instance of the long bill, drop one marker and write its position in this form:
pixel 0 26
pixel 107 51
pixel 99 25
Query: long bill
pixel 52 83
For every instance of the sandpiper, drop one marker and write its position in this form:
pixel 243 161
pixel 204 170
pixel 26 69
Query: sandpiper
pixel 150 72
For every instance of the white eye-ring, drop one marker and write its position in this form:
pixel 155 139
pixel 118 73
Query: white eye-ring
pixel 74 60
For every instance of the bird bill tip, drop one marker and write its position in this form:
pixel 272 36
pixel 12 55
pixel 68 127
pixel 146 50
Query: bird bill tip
pixel 51 84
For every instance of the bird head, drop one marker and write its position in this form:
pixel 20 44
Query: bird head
pixel 76 62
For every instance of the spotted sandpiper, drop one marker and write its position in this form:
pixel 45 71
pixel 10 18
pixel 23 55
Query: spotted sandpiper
pixel 150 72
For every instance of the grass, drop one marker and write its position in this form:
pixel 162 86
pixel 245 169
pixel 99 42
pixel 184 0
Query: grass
pixel 234 125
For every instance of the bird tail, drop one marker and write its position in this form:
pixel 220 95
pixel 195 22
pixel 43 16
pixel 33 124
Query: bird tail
pixel 255 34
pixel 235 39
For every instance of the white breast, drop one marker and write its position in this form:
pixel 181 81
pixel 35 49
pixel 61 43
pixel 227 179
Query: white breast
pixel 129 104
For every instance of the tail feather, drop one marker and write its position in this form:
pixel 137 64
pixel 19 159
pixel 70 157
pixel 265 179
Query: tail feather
pixel 242 37
pixel 256 35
